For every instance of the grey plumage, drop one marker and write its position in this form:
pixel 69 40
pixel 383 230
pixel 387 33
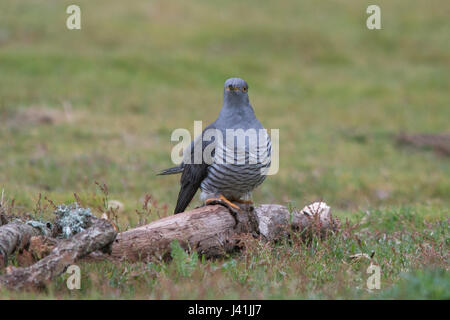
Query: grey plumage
pixel 238 162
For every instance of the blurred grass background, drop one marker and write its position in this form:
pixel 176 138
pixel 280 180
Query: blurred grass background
pixel 100 103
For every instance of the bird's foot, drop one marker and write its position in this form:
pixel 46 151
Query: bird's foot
pixel 223 201
pixel 233 208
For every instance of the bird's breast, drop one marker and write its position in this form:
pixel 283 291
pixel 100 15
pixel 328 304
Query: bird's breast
pixel 240 166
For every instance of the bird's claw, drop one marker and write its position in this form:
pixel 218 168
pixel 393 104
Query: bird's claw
pixel 233 208
pixel 223 201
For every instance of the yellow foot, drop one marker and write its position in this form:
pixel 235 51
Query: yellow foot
pixel 224 200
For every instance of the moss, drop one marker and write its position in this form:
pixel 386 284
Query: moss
pixel 72 219
pixel 43 227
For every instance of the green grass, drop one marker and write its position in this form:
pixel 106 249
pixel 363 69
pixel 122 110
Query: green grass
pixel 339 93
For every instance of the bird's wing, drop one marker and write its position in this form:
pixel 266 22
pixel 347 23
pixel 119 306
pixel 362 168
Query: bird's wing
pixel 193 173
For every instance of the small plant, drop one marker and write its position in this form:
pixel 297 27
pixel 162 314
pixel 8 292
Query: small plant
pixel 109 211
pixel 146 211
pixel 105 191
pixel 39 209
pixel 185 263
pixel 150 206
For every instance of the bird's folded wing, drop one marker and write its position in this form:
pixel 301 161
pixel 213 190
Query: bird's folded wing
pixel 195 169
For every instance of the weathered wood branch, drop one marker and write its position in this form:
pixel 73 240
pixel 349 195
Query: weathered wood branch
pixel 98 236
pixel 211 230
pixel 15 236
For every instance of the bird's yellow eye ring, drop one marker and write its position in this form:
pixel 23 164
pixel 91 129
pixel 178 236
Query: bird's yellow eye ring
pixel 244 89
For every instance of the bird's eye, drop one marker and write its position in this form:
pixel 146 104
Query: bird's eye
pixel 244 89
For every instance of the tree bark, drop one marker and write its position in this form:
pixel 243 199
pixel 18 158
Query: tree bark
pixel 15 236
pixel 98 236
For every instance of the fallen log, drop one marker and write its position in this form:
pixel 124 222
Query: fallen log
pixel 98 236
pixel 211 230
pixel 15 236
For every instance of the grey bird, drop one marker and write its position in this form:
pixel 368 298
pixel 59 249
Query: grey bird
pixel 234 153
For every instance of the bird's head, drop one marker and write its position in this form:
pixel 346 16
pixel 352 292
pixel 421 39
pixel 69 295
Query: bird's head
pixel 236 90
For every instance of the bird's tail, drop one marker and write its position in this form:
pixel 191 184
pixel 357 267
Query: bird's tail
pixel 173 170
